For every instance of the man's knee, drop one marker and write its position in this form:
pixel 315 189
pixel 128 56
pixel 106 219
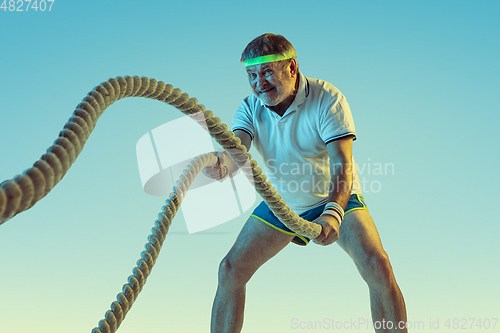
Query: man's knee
pixel 377 270
pixel 231 274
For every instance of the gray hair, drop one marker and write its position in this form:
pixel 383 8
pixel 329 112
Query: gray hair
pixel 267 44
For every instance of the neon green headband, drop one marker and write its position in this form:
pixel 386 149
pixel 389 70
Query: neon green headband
pixel 267 58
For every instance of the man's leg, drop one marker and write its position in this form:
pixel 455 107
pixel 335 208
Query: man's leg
pixel 256 244
pixel 360 239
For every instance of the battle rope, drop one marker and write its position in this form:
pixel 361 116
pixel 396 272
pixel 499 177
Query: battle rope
pixel 25 190
pixel 124 300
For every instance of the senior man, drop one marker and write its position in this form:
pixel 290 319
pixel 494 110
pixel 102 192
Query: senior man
pixel 304 130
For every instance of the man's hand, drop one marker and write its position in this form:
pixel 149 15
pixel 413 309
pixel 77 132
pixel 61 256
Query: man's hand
pixel 219 171
pixel 330 231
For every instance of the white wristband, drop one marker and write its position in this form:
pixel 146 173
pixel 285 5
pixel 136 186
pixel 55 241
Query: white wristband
pixel 334 214
pixel 336 207
pixel 335 210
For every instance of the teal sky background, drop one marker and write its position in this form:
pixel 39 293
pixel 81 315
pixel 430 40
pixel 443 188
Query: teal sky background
pixel 422 80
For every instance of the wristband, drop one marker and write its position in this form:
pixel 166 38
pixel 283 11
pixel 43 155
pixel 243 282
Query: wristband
pixel 335 210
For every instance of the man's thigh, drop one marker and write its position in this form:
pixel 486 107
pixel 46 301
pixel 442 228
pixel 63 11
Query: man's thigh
pixel 358 236
pixel 256 244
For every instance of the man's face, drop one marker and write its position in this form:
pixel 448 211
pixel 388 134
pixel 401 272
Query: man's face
pixel 273 82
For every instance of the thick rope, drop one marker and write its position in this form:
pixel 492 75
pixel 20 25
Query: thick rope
pixel 25 190
pixel 130 291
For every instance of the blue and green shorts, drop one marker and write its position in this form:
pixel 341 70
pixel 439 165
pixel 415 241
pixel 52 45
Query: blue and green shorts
pixel 263 213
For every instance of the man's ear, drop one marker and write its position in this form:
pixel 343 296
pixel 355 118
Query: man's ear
pixel 294 67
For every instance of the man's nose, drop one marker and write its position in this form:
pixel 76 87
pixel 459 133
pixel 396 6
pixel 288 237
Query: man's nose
pixel 261 81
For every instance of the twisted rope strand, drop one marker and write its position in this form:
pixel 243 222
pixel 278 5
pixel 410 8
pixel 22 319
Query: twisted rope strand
pixel 25 190
pixel 130 291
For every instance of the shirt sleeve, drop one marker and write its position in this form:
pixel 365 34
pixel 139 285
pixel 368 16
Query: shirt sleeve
pixel 336 119
pixel 243 118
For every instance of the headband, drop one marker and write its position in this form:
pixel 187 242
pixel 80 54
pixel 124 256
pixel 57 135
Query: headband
pixel 267 58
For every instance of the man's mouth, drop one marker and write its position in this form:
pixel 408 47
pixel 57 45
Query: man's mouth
pixel 265 91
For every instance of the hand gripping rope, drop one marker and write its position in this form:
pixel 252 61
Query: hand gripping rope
pixel 23 191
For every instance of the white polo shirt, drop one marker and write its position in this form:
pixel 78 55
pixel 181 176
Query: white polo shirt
pixel 294 146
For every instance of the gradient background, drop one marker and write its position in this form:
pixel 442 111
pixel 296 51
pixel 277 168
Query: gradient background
pixel 422 80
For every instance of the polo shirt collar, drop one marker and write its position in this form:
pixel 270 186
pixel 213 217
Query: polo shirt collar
pixel 301 92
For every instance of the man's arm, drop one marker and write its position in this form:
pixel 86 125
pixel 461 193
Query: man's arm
pixel 340 154
pixel 246 139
